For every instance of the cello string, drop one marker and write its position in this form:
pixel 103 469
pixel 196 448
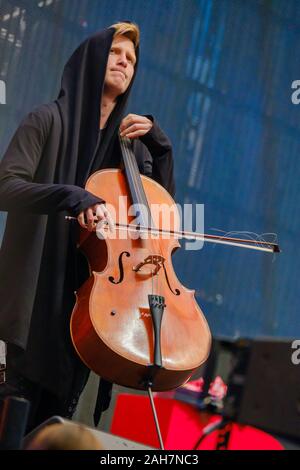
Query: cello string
pixel 142 199
pixel 130 168
pixel 142 195
pixel 152 288
pixel 134 170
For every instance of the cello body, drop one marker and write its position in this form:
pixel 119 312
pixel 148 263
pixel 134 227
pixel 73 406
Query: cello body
pixel 111 323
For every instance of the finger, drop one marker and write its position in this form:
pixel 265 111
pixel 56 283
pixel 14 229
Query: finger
pixel 135 127
pixel 89 214
pixel 100 229
pixel 127 119
pixel 110 220
pixel 101 219
pixel 80 219
pixel 100 211
pixel 104 209
pixel 134 135
pixel 133 118
pixel 107 217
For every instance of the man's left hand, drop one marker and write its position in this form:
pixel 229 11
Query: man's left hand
pixel 134 126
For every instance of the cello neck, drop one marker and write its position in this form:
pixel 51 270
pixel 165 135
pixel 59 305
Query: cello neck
pixel 136 189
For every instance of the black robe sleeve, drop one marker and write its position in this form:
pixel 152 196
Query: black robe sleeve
pixel 19 190
pixel 162 162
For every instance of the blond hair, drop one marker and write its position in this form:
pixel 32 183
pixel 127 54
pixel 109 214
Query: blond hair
pixel 130 30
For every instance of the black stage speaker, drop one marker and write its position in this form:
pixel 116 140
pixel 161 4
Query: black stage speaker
pixel 271 395
pixel 108 441
pixel 13 420
pixel 263 384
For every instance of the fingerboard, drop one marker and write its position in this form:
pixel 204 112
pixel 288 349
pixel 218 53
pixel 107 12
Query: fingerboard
pixel 137 193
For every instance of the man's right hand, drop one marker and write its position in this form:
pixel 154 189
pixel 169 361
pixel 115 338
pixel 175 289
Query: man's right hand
pixel 92 215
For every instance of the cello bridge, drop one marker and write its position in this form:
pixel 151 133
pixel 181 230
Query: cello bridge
pixel 155 260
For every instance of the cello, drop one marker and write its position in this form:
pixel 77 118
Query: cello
pixel 133 322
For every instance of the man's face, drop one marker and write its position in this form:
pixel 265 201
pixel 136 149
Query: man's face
pixel 120 66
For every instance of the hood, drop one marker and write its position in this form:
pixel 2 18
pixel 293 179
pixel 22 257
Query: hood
pixel 79 103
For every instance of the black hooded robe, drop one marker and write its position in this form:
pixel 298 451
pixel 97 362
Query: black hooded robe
pixel 42 177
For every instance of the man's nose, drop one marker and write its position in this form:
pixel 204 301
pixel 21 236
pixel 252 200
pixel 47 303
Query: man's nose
pixel 122 59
